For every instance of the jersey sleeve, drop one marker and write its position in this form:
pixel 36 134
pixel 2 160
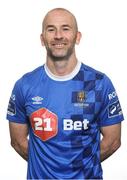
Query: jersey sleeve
pixel 111 112
pixel 16 108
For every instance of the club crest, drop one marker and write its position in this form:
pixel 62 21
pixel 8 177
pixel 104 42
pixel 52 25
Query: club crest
pixel 81 96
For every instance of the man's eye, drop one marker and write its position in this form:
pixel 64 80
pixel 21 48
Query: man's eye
pixel 66 29
pixel 50 29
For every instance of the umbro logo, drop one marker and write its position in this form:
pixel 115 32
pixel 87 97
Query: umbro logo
pixel 37 100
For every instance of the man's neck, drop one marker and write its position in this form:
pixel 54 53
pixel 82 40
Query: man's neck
pixel 62 67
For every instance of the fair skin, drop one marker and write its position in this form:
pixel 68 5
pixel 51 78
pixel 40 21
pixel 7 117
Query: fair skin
pixel 19 141
pixel 111 140
pixel 59 36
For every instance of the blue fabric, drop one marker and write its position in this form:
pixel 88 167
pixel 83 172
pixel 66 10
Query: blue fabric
pixel 65 118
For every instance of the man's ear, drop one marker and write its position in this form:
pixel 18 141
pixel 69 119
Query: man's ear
pixel 42 39
pixel 79 35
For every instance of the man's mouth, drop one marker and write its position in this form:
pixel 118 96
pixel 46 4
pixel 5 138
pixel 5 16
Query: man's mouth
pixel 59 45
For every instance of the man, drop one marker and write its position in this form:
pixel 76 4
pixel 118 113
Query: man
pixel 64 107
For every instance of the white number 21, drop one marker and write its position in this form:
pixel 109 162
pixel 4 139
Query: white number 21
pixel 38 124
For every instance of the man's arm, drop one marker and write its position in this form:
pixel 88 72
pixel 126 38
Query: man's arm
pixel 111 140
pixel 19 141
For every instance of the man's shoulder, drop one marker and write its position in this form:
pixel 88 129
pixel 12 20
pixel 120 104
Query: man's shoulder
pixel 34 73
pixel 31 77
pixel 90 70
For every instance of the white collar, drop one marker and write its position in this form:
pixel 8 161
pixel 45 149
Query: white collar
pixel 66 77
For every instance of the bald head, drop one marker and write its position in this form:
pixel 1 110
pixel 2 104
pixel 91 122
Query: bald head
pixel 57 14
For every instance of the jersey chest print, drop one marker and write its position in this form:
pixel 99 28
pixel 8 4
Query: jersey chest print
pixel 44 124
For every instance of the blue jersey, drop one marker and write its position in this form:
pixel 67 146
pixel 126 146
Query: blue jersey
pixel 64 115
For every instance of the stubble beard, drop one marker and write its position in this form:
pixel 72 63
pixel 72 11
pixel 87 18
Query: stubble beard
pixel 54 57
pixel 64 57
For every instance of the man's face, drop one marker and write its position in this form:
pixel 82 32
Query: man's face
pixel 59 35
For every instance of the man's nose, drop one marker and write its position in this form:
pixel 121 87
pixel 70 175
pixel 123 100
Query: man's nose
pixel 58 34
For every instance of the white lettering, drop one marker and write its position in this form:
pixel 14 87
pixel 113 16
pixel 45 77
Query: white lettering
pixel 85 123
pixel 69 124
pixel 48 124
pixel 112 95
pixel 77 125
pixel 38 124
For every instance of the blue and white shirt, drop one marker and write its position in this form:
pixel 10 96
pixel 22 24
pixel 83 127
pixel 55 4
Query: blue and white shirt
pixel 64 115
